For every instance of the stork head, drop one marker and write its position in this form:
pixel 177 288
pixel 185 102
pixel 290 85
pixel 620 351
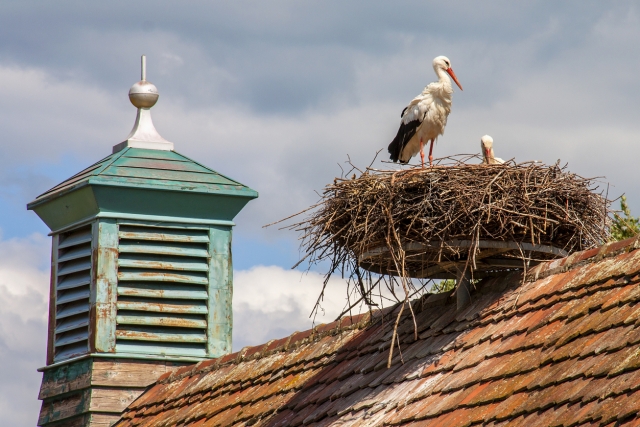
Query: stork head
pixel 443 63
pixel 486 142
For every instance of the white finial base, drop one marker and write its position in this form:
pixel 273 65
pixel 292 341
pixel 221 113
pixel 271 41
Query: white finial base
pixel 144 135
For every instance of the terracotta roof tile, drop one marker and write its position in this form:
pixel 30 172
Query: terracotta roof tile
pixel 618 316
pixel 511 407
pixel 619 407
pixel 580 367
pixel 499 390
pixel 626 382
pixel 559 350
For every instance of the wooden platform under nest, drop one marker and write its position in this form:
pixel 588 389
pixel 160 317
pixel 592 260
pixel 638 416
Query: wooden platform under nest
pixel 446 260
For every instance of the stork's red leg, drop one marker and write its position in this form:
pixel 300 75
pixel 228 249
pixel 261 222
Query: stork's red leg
pixel 422 152
pixel 430 155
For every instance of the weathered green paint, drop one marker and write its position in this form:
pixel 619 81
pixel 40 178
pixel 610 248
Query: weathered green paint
pixel 220 319
pixel 71 208
pixel 94 391
pixel 105 244
pixel 144 283
pixel 65 378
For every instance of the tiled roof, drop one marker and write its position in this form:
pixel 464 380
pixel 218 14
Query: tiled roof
pixel 560 349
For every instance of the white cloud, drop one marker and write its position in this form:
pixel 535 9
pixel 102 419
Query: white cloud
pixel 271 302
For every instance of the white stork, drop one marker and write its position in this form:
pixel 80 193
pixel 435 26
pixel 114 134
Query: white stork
pixel 488 158
pixel 426 116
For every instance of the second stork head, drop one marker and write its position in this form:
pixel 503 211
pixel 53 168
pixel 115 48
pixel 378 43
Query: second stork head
pixel 488 157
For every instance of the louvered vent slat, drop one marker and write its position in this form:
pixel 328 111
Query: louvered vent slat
pixel 151 334
pixel 163 265
pixel 160 248
pixel 148 275
pixel 73 336
pixel 71 350
pixel 164 235
pixel 162 290
pixel 70 323
pixel 157 319
pixel 73 279
pixel 75 237
pixel 75 252
pixel 75 266
pixel 74 295
pixel 72 308
pixel 190 307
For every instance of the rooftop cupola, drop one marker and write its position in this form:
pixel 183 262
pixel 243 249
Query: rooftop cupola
pixel 141 271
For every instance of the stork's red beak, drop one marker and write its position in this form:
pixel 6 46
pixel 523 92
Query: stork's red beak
pixel 453 76
pixel 486 152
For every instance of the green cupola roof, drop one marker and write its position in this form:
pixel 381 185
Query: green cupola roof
pixel 130 181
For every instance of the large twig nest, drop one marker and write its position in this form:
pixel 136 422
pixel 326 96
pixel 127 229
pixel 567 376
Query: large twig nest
pixel 430 222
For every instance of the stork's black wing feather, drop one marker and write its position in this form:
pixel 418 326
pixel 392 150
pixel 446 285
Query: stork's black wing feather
pixel 405 133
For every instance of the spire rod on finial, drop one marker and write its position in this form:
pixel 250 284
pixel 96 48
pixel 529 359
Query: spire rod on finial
pixel 143 67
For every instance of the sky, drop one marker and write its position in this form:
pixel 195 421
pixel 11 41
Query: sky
pixel 280 95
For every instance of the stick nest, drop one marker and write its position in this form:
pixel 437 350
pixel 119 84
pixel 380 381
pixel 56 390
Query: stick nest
pixel 432 222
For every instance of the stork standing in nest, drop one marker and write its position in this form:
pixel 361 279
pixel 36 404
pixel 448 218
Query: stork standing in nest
pixel 425 117
pixel 488 158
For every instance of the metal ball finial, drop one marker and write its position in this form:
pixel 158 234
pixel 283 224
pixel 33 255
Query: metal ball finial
pixel 143 94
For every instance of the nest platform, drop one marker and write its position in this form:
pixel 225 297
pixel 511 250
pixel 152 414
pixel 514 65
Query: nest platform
pixel 447 260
